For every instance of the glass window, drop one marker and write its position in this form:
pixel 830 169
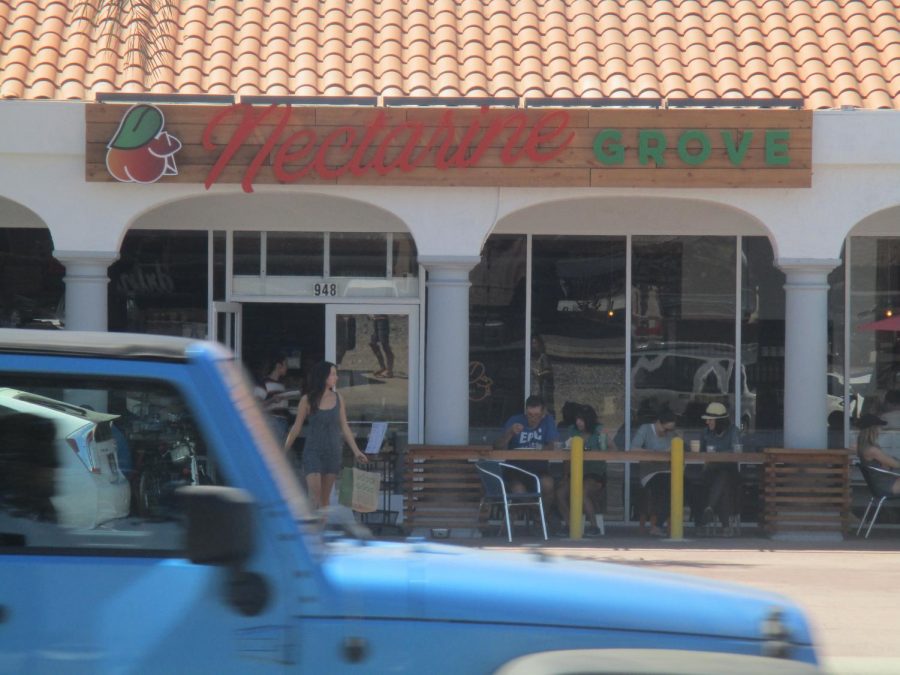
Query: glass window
pixel 874 360
pixel 159 283
pixel 683 328
pixel 762 348
pixel 358 255
pixel 298 254
pixel 247 253
pixel 497 336
pixel 578 325
pixel 96 463
pixel 219 246
pixel 31 280
pixel 404 255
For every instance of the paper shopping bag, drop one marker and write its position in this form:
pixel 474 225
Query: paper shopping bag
pixel 359 489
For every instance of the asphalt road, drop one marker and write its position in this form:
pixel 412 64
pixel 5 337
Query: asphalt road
pixel 850 590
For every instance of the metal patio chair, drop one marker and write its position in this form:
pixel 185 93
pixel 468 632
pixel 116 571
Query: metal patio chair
pixel 496 494
pixel 878 494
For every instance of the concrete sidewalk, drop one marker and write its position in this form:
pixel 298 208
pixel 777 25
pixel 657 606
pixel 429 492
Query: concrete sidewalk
pixel 849 589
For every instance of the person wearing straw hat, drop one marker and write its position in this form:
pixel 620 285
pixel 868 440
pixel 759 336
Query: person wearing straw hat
pixel 722 480
pixel 870 453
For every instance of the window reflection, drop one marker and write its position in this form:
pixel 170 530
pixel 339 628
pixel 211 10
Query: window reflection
pixel 358 255
pixel 578 324
pixel 96 463
pixel 294 254
pixel 497 336
pixel 31 280
pixel 874 361
pixel 247 250
pixel 159 284
pixel 762 334
pixel 683 328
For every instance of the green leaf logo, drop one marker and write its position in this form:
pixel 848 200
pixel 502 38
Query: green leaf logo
pixel 139 126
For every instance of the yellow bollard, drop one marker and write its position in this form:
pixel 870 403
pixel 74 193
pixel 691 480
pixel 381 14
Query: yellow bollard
pixel 676 517
pixel 576 488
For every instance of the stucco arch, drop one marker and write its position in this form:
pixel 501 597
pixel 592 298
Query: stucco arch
pixel 305 211
pixel 884 223
pixel 617 215
pixel 14 214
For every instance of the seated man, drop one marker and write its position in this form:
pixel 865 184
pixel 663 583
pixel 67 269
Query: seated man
pixel 655 476
pixel 534 429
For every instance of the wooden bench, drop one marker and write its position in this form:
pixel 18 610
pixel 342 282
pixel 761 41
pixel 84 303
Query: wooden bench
pixel 441 486
pixel 806 491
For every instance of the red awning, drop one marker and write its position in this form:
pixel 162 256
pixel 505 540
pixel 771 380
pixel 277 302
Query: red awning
pixel 890 323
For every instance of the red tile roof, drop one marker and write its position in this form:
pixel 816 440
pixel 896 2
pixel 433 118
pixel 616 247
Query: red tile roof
pixel 830 53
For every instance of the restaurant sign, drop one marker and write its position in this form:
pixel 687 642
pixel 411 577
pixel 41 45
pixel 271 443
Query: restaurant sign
pixel 505 147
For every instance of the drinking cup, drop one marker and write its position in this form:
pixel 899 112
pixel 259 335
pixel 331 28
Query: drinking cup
pixel 695 446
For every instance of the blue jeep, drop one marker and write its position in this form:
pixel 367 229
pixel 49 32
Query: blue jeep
pixel 190 547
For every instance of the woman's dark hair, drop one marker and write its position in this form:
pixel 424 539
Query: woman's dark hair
pixel 589 415
pixel 316 382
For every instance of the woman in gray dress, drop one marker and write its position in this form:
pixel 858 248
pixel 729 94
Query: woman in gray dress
pixel 324 408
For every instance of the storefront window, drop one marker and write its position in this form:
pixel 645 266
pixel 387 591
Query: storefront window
pixel 683 329
pixel 219 247
pixel 578 325
pixel 497 336
pixel 159 284
pixel 297 254
pixel 31 280
pixel 403 253
pixel 874 360
pixel 358 255
pixel 247 250
pixel 762 343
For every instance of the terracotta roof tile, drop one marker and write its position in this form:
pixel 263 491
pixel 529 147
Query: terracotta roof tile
pixel 832 52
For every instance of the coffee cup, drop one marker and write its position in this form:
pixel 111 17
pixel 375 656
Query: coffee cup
pixel 695 446
pixel 738 447
pixel 710 448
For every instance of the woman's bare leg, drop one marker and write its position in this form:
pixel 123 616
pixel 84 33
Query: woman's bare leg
pixel 314 487
pixel 327 483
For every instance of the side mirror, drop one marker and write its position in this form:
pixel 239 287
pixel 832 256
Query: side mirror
pixel 220 527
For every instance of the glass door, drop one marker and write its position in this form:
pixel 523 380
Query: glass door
pixel 376 349
pixel 225 326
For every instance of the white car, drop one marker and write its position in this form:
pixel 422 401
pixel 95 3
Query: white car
pixel 87 487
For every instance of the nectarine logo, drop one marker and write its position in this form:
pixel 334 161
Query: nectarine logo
pixel 142 151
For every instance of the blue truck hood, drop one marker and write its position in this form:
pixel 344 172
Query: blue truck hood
pixel 449 583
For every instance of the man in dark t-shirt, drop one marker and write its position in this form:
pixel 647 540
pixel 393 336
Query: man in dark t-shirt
pixel 533 430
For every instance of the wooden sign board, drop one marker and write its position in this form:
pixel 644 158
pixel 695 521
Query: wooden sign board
pixel 503 147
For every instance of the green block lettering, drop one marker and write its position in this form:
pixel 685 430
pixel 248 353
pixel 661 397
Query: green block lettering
pixel 737 153
pixel 651 145
pixel 608 147
pixel 777 147
pixel 688 137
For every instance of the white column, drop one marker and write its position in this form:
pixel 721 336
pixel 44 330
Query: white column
pixel 447 349
pixel 806 351
pixel 87 278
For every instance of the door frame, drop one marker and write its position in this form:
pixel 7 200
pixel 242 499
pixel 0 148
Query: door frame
pixel 233 313
pixel 414 367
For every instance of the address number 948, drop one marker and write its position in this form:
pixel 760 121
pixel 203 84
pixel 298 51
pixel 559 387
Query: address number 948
pixel 325 290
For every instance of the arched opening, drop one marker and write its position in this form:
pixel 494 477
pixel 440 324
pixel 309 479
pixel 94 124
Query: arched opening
pixel 626 305
pixel 292 278
pixel 32 290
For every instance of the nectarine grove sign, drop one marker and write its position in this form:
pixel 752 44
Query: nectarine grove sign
pixel 577 147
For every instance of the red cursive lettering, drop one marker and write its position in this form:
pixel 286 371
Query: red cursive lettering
pixel 382 149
